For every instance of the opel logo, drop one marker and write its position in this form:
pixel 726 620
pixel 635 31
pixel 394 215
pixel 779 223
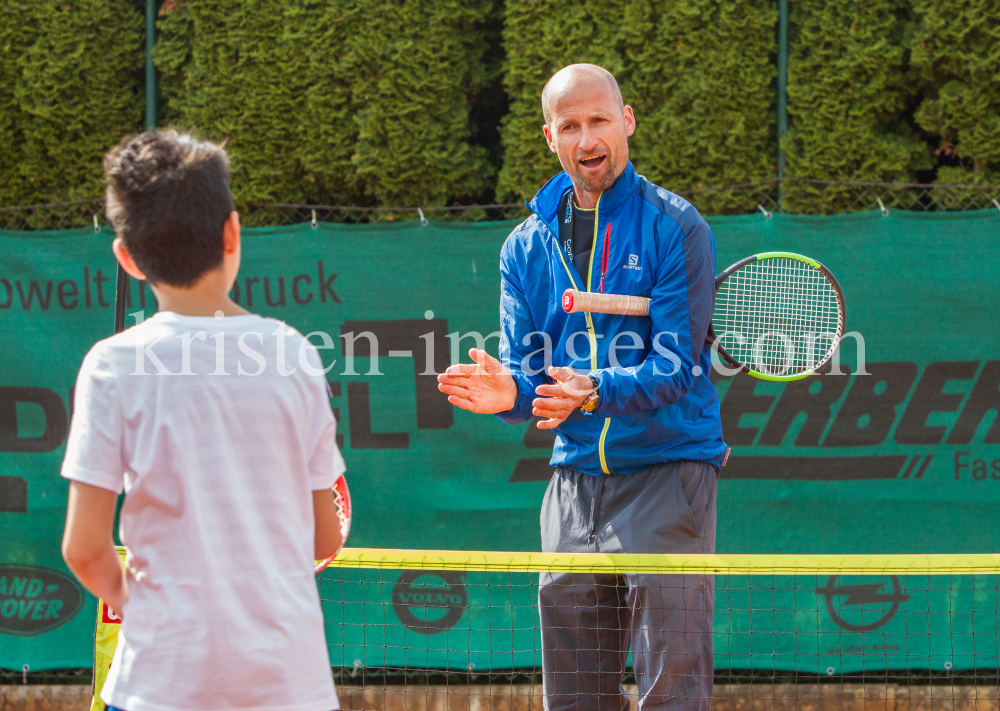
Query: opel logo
pixel 863 597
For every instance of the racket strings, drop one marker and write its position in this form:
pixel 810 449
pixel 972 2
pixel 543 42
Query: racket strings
pixel 779 315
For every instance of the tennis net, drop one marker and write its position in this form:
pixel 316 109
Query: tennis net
pixel 461 630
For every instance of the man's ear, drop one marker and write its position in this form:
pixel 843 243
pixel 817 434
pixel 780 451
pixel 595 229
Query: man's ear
pixel 125 259
pixel 548 138
pixel 231 233
pixel 629 121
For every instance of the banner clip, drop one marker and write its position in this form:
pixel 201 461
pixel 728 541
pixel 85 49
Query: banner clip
pixel 767 215
pixel 423 220
pixel 885 211
pixel 314 224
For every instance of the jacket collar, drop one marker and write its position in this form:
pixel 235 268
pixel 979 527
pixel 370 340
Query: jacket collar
pixel 545 204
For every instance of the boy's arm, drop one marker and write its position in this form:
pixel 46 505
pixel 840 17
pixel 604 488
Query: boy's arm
pixel 88 546
pixel 328 537
pixel 95 466
pixel 326 464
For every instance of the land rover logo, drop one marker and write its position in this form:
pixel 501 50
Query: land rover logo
pixel 35 600
pixel 860 595
pixel 430 601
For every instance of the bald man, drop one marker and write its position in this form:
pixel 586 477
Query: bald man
pixel 638 435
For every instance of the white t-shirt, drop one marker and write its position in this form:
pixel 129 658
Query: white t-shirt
pixel 219 434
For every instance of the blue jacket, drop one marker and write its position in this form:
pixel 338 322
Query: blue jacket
pixel 657 405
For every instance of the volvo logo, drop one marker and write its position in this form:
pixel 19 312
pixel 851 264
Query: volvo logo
pixel 430 601
pixel 874 604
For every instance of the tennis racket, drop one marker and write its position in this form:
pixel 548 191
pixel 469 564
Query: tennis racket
pixel 342 498
pixel 778 316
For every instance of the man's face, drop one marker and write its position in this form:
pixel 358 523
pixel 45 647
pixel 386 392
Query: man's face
pixel 589 131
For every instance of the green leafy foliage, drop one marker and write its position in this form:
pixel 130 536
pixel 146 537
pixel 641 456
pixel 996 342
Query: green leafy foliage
pixel 69 90
pixel 703 83
pixel 342 101
pixel 230 73
pixel 13 39
pixel 416 65
pixel 397 102
pixel 697 74
pixel 848 88
pixel 956 46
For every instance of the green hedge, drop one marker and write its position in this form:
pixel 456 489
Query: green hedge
pixel 848 91
pixel 350 102
pixel 228 71
pixel 956 46
pixel 70 87
pixel 704 83
pixel 397 102
pixel 698 75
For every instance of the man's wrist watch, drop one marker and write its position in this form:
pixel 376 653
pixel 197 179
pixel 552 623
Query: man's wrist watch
pixel 590 402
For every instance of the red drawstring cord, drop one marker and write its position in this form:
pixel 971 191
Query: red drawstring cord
pixel 604 260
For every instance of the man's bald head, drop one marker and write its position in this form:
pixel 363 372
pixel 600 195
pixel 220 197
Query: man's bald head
pixel 577 78
pixel 587 126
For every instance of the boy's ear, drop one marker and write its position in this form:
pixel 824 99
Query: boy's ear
pixel 231 233
pixel 125 259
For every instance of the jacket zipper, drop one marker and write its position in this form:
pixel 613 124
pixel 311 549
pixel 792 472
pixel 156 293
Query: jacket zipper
pixel 590 322
pixel 604 259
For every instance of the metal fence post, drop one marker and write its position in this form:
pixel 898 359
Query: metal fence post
pixel 150 70
pixel 122 284
pixel 782 90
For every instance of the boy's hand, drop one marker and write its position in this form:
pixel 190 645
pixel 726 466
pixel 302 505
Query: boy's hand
pixel 485 386
pixel 88 546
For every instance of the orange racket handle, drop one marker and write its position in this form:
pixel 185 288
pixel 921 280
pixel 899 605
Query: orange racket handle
pixel 574 301
pixel 342 498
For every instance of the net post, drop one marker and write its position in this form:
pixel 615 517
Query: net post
pixel 782 92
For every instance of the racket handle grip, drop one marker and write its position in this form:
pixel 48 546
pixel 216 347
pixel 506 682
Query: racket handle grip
pixel 574 301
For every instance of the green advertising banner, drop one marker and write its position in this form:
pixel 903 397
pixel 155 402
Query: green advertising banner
pixel 898 454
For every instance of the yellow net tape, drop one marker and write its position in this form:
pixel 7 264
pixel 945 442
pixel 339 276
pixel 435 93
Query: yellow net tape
pixel 488 561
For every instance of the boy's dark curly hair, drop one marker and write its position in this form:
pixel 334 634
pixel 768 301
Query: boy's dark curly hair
pixel 168 199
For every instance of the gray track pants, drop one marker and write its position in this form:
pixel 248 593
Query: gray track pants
pixel 590 623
